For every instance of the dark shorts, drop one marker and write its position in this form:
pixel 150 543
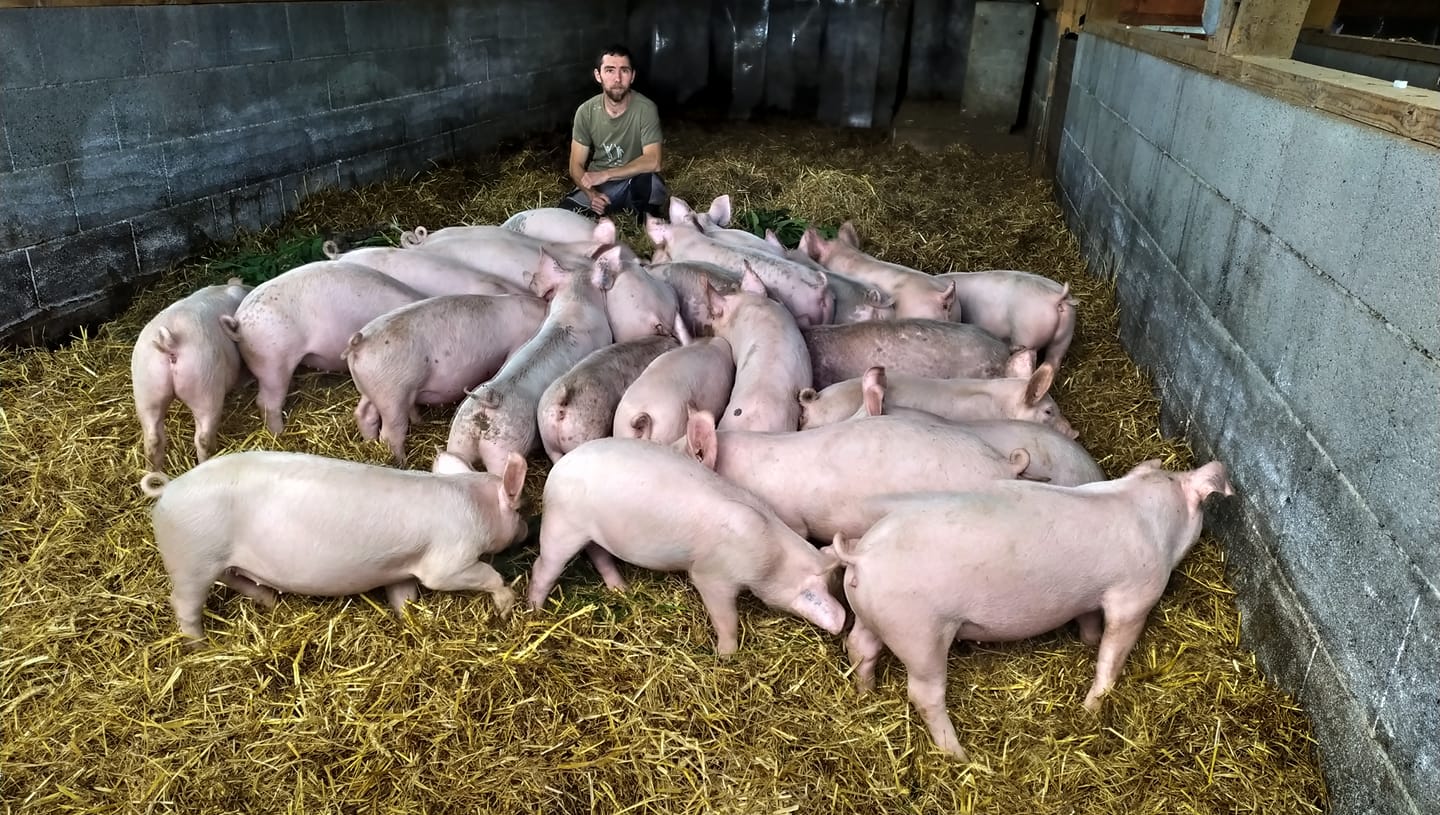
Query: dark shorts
pixel 642 194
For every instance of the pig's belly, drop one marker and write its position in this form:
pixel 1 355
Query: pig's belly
pixel 1014 624
pixel 333 562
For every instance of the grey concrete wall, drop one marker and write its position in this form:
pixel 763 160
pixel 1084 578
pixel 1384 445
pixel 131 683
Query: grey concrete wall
pixel 1418 74
pixel 131 135
pixel 1041 64
pixel 1279 272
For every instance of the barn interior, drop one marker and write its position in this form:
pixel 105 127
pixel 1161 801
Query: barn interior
pixel 1243 196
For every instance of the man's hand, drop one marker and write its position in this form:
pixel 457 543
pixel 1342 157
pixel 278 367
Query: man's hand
pixel 593 178
pixel 598 200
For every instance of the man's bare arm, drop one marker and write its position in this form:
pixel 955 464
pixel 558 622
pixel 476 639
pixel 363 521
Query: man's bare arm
pixel 579 154
pixel 649 161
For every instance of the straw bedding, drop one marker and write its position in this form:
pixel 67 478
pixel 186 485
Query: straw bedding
pixel 599 702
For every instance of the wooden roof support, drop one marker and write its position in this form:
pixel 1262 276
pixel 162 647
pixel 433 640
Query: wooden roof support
pixel 1266 28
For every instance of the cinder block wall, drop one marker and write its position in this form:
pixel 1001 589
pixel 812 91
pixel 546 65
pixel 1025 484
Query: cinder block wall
pixel 134 134
pixel 1279 271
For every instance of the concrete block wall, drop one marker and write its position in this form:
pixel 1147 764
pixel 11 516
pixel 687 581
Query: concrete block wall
pixel 1279 272
pixel 1042 62
pixel 131 135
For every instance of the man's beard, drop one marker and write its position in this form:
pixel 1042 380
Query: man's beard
pixel 617 95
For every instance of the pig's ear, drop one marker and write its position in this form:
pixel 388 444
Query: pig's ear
pixel 752 283
pixel 714 301
pixel 1039 384
pixel 720 210
pixel 658 230
pixel 230 326
pixel 546 277
pixel 1202 481
pixel 447 463
pixel 606 267
pixel 604 231
pixel 873 387
pixel 1021 364
pixel 947 302
pixel 1146 466
pixel 513 481
pixel 679 210
pixel 700 441
pixel 773 239
pixel 848 235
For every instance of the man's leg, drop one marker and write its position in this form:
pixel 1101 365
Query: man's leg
pixel 576 201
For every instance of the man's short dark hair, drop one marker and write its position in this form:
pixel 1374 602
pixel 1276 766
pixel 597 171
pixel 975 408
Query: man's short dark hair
pixel 614 50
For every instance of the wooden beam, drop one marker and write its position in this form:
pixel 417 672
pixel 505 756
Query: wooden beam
pixel 1266 28
pixel 1320 14
pixel 1413 113
pixel 1412 51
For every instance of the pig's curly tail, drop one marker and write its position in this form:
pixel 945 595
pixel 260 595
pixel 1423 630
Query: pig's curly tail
pixel 153 484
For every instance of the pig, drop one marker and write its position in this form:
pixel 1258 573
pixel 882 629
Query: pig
pixel 552 224
pixel 431 275
pixel 1015 561
pixel 640 305
pixel 834 478
pixel 307 316
pixel 602 497
pixel 184 352
pixel 499 416
pixel 430 353
pixel 854 301
pixel 932 348
pixel 580 405
pixel 917 294
pixel 1019 308
pixel 688 280
pixel 713 222
pixel 699 375
pixel 802 290
pixel 771 362
pixel 264 522
pixel 507 254
pixel 953 399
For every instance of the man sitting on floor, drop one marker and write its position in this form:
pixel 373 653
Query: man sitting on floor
pixel 615 145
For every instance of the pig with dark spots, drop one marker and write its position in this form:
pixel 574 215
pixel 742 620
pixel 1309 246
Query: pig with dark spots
pixel 771 363
pixel 688 280
pixel 499 417
pixel 552 224
pixel 185 353
pixel 431 353
pixel 652 506
pixel 307 316
pixel 1014 561
pixel 264 522
pixel 580 406
pixel 933 348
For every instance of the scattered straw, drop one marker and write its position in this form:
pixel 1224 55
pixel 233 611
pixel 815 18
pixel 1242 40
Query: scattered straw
pixel 599 702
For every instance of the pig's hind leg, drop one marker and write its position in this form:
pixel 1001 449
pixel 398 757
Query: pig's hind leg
pixel 264 595
pixel 606 566
pixel 864 648
pixel 560 540
pixel 925 649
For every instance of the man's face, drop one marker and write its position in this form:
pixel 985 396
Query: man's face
pixel 615 76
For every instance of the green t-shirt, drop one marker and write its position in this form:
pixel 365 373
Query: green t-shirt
pixel 618 141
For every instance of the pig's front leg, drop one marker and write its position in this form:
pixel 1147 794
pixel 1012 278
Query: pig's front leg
pixel 1121 633
pixel 406 591
pixel 264 595
pixel 719 597
pixel 605 565
pixel 478 576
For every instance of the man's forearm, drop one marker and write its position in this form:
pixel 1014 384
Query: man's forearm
pixel 642 164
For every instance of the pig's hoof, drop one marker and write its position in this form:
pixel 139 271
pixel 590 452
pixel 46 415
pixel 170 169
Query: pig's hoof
pixel 504 602
pixel 1092 704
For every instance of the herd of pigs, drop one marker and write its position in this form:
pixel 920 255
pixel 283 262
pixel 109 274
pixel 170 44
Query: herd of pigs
pixel 898 419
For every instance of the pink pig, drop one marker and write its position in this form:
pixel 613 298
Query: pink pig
pixel 552 224
pixel 431 275
pixel 184 352
pixel 649 505
pixel 953 399
pixel 431 353
pixel 697 376
pixel 771 362
pixel 916 293
pixel 1018 307
pixel 1015 561
pixel 263 521
pixel 307 316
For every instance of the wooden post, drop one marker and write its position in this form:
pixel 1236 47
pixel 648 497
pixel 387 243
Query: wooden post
pixel 1266 28
pixel 1321 14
